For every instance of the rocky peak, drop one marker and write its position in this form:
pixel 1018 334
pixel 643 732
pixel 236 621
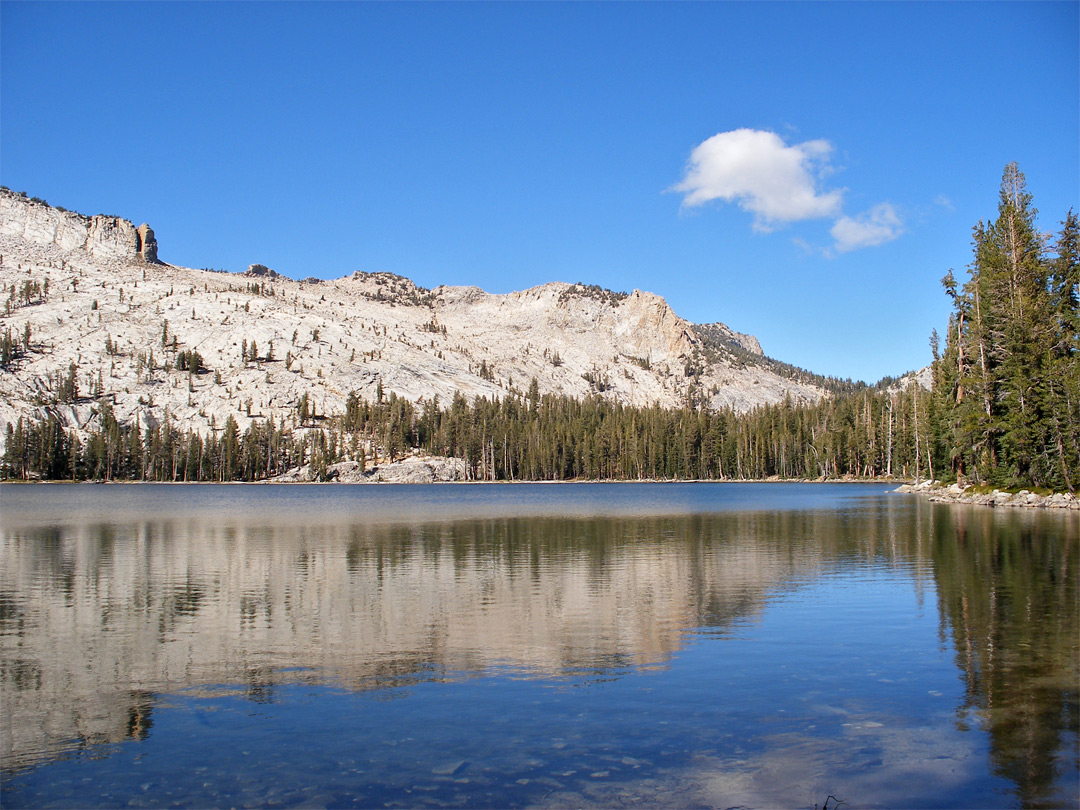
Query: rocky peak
pixel 389 287
pixel 646 322
pixel 103 237
pixel 261 271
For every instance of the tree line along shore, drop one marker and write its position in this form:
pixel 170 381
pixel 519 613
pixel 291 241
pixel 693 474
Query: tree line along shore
pixel 1002 409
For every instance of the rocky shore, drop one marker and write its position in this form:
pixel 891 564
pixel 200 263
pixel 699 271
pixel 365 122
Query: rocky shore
pixel 956 493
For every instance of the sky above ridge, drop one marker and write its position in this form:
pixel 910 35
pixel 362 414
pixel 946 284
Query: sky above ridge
pixel 805 172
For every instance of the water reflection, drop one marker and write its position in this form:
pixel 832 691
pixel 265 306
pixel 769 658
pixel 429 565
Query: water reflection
pixel 95 616
pixel 1010 599
pixel 101 617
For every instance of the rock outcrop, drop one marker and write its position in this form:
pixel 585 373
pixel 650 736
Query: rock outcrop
pixel 411 470
pixel 924 378
pixel 261 271
pixel 146 246
pixel 724 335
pixel 102 237
pixel 956 493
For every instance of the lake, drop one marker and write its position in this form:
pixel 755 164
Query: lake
pixel 588 645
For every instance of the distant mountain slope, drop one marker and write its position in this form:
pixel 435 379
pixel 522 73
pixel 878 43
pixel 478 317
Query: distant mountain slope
pixel 105 317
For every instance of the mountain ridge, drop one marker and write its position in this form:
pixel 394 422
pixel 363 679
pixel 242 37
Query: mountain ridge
pixel 115 319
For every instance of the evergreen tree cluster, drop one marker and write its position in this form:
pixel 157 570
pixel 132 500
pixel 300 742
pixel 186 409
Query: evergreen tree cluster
pixel 115 452
pixel 1007 386
pixel 1004 408
pixel 530 437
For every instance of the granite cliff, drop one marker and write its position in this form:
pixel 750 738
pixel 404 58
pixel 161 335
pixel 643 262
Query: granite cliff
pixel 101 237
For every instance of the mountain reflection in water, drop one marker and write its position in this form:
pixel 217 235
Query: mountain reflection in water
pixel 99 616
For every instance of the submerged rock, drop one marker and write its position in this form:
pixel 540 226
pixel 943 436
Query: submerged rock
pixel 450 768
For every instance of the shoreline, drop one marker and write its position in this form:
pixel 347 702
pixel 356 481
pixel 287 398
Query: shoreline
pixel 883 481
pixel 936 492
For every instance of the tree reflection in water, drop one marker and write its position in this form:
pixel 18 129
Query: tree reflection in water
pixel 1008 592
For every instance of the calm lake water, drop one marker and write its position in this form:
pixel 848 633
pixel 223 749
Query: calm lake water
pixel 586 645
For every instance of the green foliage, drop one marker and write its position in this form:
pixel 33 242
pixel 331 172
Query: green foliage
pixel 27 294
pixel 434 327
pixel 67 386
pixel 190 360
pixel 303 408
pixel 43 449
pixel 11 349
pixel 597 380
pixel 529 437
pixel 1007 387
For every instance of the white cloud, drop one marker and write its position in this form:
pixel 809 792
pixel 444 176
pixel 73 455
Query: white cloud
pixel 755 168
pixel 779 183
pixel 877 226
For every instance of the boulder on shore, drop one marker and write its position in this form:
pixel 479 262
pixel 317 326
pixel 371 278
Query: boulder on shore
pixel 957 493
pixel 412 470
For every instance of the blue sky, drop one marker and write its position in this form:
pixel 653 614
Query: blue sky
pixel 806 172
